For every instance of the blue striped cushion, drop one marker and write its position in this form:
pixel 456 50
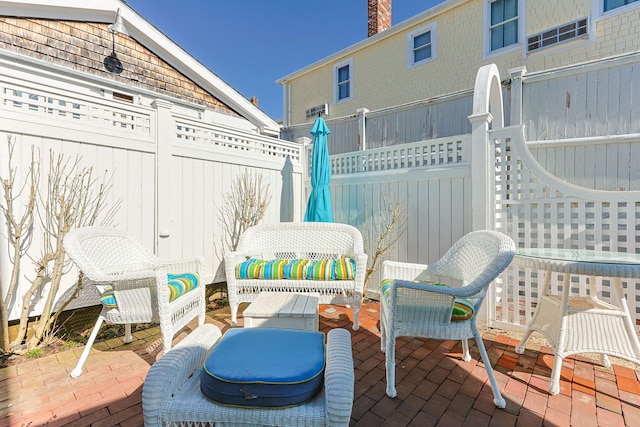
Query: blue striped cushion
pixel 249 269
pixel 344 269
pixel 108 299
pixel 273 269
pixel 462 307
pixel 320 269
pixel 295 269
pixel 179 284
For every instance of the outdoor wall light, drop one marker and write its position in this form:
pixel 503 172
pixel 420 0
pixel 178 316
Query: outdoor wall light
pixel 111 62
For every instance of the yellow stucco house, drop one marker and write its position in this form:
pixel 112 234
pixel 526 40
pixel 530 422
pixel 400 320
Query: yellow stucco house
pixel 437 53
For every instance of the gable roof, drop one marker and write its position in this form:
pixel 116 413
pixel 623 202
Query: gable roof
pixel 149 36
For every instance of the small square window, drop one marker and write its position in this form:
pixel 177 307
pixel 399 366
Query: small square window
pixel 421 45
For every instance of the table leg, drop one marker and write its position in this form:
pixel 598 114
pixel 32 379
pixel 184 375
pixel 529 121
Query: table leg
pixel 621 300
pixel 554 383
pixel 544 291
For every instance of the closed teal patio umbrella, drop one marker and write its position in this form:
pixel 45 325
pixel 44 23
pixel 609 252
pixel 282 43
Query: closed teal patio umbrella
pixel 319 204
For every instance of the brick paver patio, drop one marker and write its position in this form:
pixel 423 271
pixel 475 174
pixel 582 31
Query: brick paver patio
pixel 435 387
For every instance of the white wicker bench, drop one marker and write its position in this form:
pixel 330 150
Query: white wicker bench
pixel 296 240
pixel 171 393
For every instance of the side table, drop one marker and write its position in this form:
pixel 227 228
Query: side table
pixel 286 310
pixel 582 324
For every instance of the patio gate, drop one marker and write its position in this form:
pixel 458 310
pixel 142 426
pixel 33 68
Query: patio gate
pixel 538 209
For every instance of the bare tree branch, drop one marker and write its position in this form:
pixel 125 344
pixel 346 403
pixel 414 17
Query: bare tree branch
pixel 243 206
pixel 19 231
pixel 385 226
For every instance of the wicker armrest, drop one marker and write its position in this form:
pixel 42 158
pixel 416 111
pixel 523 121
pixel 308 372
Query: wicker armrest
pixel 190 265
pixel 462 292
pixel 401 270
pixel 339 378
pixel 169 374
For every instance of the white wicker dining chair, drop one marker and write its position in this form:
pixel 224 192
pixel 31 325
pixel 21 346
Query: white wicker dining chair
pixel 412 307
pixel 114 260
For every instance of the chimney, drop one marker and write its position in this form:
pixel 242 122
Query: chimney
pixel 254 100
pixel 379 16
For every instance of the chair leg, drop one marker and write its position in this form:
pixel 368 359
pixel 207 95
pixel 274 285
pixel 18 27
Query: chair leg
pixel 75 373
pixel 234 314
pixel 356 315
pixel 383 328
pixel 127 333
pixel 498 400
pixel 391 366
pixel 466 356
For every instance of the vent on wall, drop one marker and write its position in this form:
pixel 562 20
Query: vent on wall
pixel 317 111
pixel 570 31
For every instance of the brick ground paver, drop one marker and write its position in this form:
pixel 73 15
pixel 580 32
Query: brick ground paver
pixel 435 387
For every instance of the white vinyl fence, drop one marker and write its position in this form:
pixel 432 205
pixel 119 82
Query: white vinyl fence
pixel 172 163
pixel 430 180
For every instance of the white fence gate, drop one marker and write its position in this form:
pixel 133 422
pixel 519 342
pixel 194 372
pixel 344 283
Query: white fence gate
pixel 451 186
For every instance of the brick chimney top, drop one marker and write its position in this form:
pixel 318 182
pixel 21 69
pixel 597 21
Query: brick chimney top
pixel 254 100
pixel 379 12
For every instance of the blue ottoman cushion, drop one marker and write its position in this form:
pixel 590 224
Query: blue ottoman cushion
pixel 264 367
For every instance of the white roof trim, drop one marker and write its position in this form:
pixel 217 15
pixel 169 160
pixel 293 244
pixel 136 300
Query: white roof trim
pixel 417 19
pixel 149 36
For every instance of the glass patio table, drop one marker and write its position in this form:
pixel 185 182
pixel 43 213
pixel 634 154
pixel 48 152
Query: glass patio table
pixel 576 324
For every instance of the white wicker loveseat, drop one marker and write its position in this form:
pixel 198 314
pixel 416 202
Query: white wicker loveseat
pixel 311 241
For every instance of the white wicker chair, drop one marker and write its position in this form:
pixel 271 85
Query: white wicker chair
pixel 417 309
pixel 110 257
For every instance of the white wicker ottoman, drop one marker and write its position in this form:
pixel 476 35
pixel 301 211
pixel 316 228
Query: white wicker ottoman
pixel 288 310
pixel 171 393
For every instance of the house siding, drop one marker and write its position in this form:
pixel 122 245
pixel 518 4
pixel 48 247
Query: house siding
pixel 381 78
pixel 83 46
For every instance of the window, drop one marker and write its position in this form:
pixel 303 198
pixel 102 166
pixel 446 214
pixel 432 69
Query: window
pixel 343 77
pixel 421 45
pixel 503 28
pixel 614 4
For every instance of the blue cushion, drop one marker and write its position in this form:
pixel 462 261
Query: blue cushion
pixel 264 367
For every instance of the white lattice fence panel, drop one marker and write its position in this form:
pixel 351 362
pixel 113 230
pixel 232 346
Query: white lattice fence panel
pixel 537 214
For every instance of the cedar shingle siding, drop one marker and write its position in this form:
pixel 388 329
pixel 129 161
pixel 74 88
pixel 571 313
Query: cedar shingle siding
pixel 84 45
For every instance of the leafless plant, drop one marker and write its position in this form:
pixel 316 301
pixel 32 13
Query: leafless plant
pixel 73 198
pixel 383 226
pixel 243 206
pixel 19 229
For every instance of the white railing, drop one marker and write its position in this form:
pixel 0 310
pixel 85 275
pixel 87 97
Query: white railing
pixel 44 103
pixel 435 152
pixel 212 135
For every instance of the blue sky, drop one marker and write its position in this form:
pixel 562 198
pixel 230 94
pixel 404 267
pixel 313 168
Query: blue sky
pixel 252 43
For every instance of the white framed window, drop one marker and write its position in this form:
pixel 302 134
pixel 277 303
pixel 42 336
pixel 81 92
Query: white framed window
pixel 504 26
pixel 421 45
pixel 609 5
pixel 343 80
pixel 607 8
